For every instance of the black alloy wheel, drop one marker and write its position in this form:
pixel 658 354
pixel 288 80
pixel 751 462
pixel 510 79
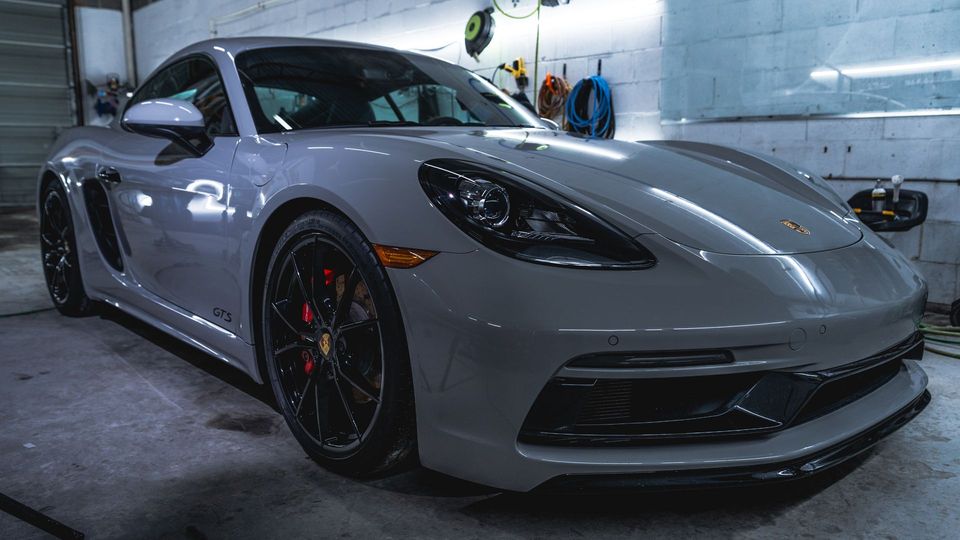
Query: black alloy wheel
pixel 58 250
pixel 334 347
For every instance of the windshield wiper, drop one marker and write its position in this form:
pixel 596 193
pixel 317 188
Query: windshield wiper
pixel 392 123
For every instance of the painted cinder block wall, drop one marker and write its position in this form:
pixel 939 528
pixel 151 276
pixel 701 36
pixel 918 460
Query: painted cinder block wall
pixel 731 39
pixel 629 36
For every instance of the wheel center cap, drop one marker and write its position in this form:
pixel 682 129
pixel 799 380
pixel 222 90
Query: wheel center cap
pixel 325 342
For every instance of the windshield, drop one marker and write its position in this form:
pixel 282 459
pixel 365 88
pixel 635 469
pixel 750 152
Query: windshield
pixel 290 88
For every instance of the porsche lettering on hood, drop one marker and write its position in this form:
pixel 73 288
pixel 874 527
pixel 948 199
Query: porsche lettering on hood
pixel 659 187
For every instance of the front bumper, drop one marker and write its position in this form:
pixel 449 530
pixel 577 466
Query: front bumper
pixel 766 473
pixel 602 411
pixel 487 333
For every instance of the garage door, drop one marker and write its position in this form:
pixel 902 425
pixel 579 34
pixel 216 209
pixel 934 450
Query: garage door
pixel 36 93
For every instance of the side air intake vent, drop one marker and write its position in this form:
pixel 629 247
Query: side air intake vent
pixel 98 208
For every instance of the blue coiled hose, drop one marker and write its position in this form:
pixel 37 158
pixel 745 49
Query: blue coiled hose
pixel 598 123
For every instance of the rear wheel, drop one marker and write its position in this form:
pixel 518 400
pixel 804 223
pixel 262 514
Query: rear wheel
pixel 334 348
pixel 58 250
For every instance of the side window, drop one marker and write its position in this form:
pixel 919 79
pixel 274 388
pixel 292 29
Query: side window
pixel 194 80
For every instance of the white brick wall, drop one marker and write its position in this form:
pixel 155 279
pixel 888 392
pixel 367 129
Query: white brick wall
pixel 624 33
pixel 629 35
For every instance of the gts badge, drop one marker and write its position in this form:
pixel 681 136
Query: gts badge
pixel 794 226
pixel 222 314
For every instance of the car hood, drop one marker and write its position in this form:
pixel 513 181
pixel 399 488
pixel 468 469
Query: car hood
pixel 706 197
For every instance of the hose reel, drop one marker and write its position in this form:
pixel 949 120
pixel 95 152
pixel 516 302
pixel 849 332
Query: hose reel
pixel 479 32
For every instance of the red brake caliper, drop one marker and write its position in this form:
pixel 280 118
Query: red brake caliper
pixel 306 314
pixel 306 356
pixel 307 362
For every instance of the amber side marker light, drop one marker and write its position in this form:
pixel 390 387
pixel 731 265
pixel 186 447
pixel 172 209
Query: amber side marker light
pixel 397 257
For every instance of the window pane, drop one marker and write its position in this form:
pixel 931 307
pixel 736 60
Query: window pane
pixel 194 80
pixel 383 111
pixel 308 87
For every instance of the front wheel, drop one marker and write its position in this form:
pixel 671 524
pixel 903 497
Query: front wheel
pixel 334 348
pixel 58 251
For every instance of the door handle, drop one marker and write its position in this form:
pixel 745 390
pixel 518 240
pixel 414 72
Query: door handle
pixel 109 175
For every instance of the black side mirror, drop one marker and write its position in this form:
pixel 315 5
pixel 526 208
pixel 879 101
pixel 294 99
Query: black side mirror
pixel 907 213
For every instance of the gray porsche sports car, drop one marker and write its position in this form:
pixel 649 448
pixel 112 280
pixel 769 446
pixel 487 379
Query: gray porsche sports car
pixel 420 267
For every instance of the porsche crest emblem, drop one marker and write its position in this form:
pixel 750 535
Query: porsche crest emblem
pixel 794 226
pixel 325 344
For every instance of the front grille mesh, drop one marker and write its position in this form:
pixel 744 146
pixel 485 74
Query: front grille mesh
pixel 609 401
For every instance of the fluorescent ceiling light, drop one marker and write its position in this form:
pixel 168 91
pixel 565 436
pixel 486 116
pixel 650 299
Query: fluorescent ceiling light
pixel 888 70
pixel 904 113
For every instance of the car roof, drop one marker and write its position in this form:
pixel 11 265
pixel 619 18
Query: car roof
pixel 237 45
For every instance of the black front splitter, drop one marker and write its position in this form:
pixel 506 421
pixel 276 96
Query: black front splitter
pixel 740 476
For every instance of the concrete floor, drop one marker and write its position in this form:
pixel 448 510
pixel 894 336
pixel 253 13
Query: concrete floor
pixel 119 431
pixel 21 282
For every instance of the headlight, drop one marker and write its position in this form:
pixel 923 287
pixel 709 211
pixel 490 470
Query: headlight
pixel 517 219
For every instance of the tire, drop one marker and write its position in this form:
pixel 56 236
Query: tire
pixel 58 253
pixel 955 313
pixel 319 341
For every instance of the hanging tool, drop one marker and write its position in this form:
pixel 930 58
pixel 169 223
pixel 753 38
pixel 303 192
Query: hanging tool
pixel 519 71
